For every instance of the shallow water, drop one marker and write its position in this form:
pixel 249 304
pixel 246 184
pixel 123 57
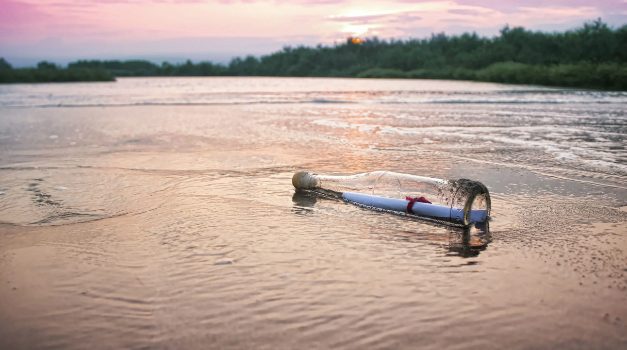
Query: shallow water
pixel 159 213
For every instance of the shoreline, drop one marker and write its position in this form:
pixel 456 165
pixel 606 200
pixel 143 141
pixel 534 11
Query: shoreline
pixel 393 74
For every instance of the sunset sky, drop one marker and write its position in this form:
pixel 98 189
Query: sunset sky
pixel 63 30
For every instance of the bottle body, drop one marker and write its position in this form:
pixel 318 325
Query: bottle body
pixel 458 201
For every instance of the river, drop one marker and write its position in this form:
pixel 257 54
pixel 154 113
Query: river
pixel 159 213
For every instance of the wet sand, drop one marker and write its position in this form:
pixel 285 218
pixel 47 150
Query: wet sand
pixel 176 226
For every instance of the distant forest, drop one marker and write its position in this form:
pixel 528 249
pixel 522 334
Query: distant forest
pixel 592 56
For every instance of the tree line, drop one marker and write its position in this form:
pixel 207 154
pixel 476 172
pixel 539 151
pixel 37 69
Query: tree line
pixel 591 56
pixel 49 72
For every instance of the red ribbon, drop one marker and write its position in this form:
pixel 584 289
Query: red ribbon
pixel 411 202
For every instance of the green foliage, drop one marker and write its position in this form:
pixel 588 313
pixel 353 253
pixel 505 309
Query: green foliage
pixel 119 68
pixel 45 65
pixel 48 72
pixel 4 65
pixel 601 76
pixel 593 56
pixel 141 68
pixel 382 73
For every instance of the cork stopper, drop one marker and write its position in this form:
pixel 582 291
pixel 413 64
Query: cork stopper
pixel 305 181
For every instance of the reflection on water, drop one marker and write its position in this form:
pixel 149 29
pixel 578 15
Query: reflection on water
pixel 471 240
pixel 304 200
pixel 464 241
pixel 159 213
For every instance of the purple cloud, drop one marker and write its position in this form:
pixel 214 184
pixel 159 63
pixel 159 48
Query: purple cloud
pixel 465 12
pixel 508 6
pixel 360 19
pixel 13 14
pixel 401 17
pixel 299 2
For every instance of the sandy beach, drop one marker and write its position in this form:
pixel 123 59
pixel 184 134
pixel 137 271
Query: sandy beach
pixel 159 213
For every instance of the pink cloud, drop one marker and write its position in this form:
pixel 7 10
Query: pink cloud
pixel 378 19
pixel 122 24
pixel 14 13
pixel 360 19
pixel 465 12
pixel 515 5
pixel 297 2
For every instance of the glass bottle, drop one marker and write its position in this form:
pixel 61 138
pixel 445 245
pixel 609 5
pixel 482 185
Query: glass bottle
pixel 459 201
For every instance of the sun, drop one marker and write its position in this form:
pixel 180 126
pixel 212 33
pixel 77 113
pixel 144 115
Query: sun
pixel 357 41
